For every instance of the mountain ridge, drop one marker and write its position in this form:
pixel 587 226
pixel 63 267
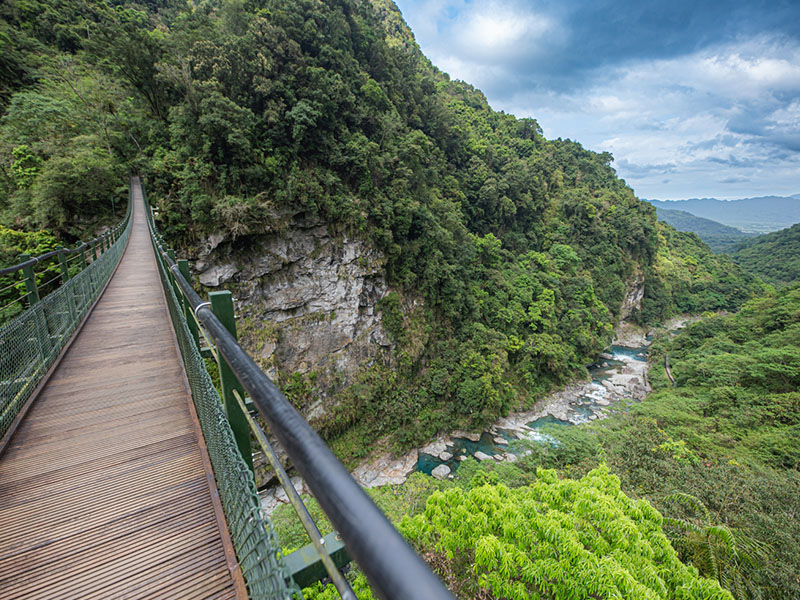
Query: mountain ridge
pixel 719 237
pixel 761 214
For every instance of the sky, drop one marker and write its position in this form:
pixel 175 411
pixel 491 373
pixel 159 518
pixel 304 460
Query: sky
pixel 694 98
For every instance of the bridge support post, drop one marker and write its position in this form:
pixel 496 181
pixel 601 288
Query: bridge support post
pixel 222 306
pixel 42 330
pixel 183 266
pixel 30 281
pixel 62 264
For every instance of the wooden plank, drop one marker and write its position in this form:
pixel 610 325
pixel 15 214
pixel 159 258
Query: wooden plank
pixel 105 487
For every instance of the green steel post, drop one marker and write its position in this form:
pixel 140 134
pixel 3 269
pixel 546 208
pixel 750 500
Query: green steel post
pixel 85 256
pixel 93 244
pixel 30 281
pixel 172 282
pixel 222 306
pixel 43 331
pixel 62 264
pixel 183 266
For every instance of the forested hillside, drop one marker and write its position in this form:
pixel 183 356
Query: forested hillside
pixel 775 257
pixel 520 247
pixel 724 436
pixel 719 237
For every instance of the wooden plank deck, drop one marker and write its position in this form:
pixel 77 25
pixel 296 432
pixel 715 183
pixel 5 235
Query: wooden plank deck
pixel 104 488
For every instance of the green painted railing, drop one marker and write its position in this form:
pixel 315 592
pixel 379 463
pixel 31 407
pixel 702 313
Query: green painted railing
pixel 257 547
pixel 59 288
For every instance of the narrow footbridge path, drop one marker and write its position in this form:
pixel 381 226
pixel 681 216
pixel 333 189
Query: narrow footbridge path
pixel 106 490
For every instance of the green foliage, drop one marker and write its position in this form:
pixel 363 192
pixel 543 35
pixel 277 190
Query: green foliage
pixel 774 256
pixel 719 237
pixel 12 244
pixel 717 550
pixel 328 592
pixel 80 182
pixel 725 435
pixel 555 538
pixel 686 277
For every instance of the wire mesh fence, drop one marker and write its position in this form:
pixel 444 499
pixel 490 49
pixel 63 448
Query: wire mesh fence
pixel 257 547
pixel 32 339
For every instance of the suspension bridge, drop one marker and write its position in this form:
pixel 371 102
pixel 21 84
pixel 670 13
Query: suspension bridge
pixel 126 473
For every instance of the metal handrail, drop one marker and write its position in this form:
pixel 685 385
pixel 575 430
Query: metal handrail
pixel 393 569
pixel 83 245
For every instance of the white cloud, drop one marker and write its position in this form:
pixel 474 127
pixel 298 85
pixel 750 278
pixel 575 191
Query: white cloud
pixel 480 33
pixel 498 32
pixel 699 123
pixel 711 119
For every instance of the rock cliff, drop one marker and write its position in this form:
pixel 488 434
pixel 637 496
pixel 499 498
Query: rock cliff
pixel 307 301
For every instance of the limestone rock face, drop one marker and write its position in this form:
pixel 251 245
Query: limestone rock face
pixel 386 469
pixel 633 295
pixel 307 299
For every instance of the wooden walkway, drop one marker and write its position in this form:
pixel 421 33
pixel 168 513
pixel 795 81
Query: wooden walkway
pixel 105 489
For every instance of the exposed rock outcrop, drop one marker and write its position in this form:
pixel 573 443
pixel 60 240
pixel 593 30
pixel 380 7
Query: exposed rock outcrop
pixel 308 298
pixel 634 294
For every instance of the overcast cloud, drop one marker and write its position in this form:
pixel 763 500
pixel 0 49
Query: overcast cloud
pixel 693 98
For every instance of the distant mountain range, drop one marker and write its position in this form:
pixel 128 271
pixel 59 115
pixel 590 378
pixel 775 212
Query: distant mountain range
pixel 750 215
pixel 721 238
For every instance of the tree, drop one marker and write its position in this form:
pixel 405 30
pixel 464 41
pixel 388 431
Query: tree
pixel 555 539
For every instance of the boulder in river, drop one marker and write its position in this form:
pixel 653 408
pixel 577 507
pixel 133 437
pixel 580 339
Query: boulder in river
pixel 445 456
pixel 481 456
pixel 501 441
pixel 466 435
pixel 441 472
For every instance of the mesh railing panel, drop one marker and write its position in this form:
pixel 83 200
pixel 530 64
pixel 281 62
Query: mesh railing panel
pixel 31 341
pixel 256 544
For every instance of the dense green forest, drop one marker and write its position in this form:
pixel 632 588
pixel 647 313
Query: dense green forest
pixel 775 257
pixel 521 248
pixel 719 237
